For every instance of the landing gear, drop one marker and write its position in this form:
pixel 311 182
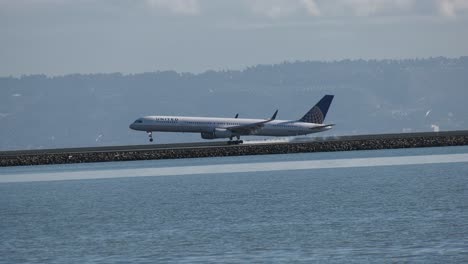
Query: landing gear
pixel 150 135
pixel 235 142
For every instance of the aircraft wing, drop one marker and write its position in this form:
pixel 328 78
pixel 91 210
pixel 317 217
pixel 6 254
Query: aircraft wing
pixel 250 128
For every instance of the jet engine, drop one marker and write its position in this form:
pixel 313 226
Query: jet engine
pixel 217 133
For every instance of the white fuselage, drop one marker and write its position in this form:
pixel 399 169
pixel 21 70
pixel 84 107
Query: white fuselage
pixel 209 124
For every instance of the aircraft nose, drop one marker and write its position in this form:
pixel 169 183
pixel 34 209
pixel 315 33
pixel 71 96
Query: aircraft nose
pixel 132 126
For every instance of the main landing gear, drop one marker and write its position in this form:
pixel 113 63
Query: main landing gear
pixel 235 142
pixel 150 135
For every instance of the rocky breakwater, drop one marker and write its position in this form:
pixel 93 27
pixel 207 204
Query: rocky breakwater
pixel 348 143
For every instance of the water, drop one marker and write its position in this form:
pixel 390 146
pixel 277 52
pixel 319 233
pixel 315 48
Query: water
pixel 395 213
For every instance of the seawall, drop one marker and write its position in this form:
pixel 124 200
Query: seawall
pixel 220 149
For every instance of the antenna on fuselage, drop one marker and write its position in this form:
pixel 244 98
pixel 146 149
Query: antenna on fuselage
pixel 237 115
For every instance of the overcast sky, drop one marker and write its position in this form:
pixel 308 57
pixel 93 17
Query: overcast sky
pixel 59 37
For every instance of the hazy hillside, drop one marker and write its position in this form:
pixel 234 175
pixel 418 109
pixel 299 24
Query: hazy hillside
pixel 371 97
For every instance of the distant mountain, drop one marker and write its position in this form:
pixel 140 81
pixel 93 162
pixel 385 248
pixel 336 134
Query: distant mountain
pixel 375 96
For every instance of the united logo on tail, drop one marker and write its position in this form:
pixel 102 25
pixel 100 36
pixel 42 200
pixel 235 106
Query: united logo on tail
pixel 317 114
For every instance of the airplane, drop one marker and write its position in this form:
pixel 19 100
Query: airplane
pixel 218 127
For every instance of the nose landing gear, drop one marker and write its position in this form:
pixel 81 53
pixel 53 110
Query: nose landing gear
pixel 150 135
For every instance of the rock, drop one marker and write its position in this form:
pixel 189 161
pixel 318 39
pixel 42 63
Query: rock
pixel 370 142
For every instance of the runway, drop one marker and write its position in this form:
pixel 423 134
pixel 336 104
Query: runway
pixel 222 148
pixel 115 148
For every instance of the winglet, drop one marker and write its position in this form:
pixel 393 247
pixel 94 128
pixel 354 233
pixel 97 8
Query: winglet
pixel 247 129
pixel 274 115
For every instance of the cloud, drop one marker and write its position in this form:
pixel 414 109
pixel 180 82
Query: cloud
pixel 282 8
pixel 183 7
pixel 359 8
pixel 26 3
pixel 373 7
pixel 311 7
pixel 450 8
pixel 273 8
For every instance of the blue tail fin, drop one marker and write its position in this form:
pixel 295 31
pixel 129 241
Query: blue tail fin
pixel 319 111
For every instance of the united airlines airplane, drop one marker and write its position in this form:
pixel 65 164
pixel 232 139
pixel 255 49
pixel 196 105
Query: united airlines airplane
pixel 216 127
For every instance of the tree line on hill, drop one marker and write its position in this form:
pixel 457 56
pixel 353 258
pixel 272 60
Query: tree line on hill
pixel 371 96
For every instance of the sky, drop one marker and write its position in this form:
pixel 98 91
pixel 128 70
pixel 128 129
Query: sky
pixel 58 37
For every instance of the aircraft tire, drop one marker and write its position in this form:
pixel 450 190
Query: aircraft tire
pixel 235 142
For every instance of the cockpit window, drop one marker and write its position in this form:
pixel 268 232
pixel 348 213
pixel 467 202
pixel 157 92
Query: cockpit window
pixel 139 121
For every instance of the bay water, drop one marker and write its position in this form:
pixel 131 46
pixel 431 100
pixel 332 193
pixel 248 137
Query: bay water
pixel 408 205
